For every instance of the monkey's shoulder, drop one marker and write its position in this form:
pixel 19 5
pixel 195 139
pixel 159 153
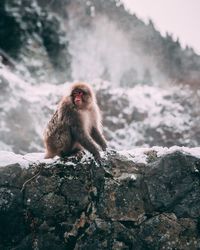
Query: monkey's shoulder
pixel 55 122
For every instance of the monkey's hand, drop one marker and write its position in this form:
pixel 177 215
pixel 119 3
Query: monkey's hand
pixel 98 160
pixel 104 147
pixel 97 157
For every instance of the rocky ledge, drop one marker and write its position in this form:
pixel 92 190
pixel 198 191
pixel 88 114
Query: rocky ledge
pixel 151 202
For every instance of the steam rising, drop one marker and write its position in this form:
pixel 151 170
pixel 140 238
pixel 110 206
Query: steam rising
pixel 105 51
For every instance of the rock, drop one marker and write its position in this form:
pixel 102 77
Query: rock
pixel 172 183
pixel 165 231
pixel 71 204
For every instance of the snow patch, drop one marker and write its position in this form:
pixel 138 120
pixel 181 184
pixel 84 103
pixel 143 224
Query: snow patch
pixel 140 155
pixel 9 158
pixel 137 155
pixel 185 150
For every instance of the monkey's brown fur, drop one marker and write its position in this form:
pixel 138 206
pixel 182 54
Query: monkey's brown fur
pixel 75 126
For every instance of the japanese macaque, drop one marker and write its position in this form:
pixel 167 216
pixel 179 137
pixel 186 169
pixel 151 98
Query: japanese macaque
pixel 75 125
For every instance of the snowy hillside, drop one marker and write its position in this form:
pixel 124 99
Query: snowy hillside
pixel 138 116
pixel 138 72
pixel 64 40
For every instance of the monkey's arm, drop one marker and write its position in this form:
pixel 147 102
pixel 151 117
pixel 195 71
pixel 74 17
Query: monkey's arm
pixel 86 141
pixel 99 138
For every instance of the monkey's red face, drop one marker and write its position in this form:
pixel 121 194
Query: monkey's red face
pixel 80 97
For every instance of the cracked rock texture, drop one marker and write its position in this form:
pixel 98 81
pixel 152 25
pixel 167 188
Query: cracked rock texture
pixel 70 204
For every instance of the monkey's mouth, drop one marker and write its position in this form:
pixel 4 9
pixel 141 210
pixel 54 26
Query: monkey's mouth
pixel 77 101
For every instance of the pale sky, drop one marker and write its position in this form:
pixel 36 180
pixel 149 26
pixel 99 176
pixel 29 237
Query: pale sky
pixel 179 17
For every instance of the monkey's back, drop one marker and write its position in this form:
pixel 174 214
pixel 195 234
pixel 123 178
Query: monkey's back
pixel 57 136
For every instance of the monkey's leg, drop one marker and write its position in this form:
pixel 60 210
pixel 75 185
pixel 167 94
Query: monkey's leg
pixel 98 137
pixel 49 155
pixel 86 141
pixel 74 151
pixel 50 151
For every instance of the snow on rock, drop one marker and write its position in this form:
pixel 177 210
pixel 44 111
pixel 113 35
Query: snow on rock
pixel 8 158
pixel 164 150
pixel 137 155
pixel 140 155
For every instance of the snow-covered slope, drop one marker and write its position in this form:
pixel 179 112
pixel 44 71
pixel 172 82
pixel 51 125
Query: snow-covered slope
pixel 138 116
pixel 148 116
pixel 24 112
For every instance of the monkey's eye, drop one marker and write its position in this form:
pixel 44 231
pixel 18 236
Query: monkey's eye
pixel 78 93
